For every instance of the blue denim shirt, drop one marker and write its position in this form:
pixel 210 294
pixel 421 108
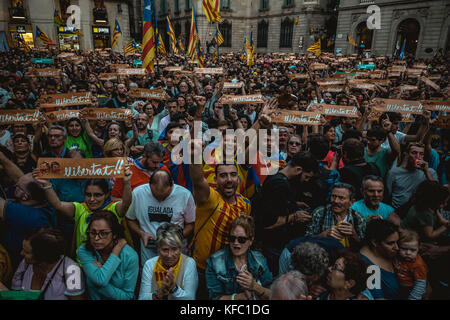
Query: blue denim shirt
pixel 221 273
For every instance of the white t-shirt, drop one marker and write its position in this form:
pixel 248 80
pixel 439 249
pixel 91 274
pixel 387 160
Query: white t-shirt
pixel 178 208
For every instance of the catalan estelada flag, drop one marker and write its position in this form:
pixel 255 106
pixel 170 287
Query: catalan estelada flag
pixel 193 37
pixel 200 56
pixel 21 41
pixel 296 21
pixel 161 46
pixel 216 53
pixel 315 48
pixel 212 10
pixel 43 37
pixel 180 44
pixel 171 33
pixel 218 37
pixel 57 20
pixel 148 37
pixel 131 47
pixel 116 34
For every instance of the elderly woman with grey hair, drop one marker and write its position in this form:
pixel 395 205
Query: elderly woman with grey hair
pixel 289 286
pixel 312 261
pixel 171 275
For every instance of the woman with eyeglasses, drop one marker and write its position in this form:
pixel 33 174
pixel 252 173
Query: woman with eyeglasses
pixel 171 275
pixel 236 272
pixel 346 278
pixel 110 264
pixel 97 198
pixel 294 146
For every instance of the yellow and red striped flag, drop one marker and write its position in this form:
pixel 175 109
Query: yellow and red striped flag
pixel 161 46
pixel 173 39
pixel 193 37
pixel 218 37
pixel 316 48
pixel 212 10
pixel 148 37
pixel 116 34
pixel 44 37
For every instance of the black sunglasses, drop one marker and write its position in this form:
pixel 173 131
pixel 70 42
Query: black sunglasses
pixel 293 143
pixel 241 240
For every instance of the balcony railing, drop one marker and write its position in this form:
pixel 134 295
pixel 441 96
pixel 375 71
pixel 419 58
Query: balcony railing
pixel 17 13
pixel 366 1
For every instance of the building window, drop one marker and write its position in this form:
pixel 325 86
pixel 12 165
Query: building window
pixel 287 27
pixel 176 6
pixel 187 32
pixel 264 4
pixel 288 3
pixel 225 4
pixel 177 28
pixel 188 5
pixel 225 29
pixel 263 33
pixel 163 7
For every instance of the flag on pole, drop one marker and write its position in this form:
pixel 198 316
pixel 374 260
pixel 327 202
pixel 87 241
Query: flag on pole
pixel 131 47
pixel 296 21
pixel 212 10
pixel 330 41
pixel 161 47
pixel 181 45
pixel 57 20
pixel 200 56
pixel 250 51
pixel 193 37
pixel 148 37
pixel 43 37
pixel 216 53
pixel 315 48
pixel 351 40
pixel 402 53
pixel 21 41
pixel 173 39
pixel 116 34
pixel 218 37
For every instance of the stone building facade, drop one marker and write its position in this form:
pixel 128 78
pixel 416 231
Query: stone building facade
pixel 97 22
pixel 425 25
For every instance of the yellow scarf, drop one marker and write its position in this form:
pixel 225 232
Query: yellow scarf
pixel 345 242
pixel 159 272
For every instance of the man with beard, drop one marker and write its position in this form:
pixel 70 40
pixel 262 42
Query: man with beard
pixel 215 210
pixel 337 220
pixel 275 209
pixel 142 168
pixel 144 134
pixel 120 99
pixel 371 206
pixel 403 180
pixel 56 136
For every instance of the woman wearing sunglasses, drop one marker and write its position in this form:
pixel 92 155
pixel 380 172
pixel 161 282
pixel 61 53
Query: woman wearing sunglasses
pixel 111 266
pixel 96 198
pixel 236 272
pixel 294 146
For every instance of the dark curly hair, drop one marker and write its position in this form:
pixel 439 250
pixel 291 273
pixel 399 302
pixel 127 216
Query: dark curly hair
pixel 355 269
pixel 47 244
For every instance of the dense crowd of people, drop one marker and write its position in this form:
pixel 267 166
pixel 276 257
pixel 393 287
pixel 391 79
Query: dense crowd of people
pixel 350 208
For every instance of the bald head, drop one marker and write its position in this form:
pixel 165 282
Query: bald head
pixel 161 184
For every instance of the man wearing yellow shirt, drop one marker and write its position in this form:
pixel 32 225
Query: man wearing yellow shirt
pixel 215 210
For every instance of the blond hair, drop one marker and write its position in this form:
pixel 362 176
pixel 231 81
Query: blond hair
pixel 111 145
pixel 407 235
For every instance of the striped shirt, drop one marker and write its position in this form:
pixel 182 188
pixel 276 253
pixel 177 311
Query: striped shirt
pixel 214 234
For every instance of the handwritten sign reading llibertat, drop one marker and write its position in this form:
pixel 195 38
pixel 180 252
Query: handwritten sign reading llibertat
pixel 108 76
pixel 298 76
pixel 335 110
pixel 173 69
pixel 209 70
pixel 375 115
pixel 332 88
pixel 107 114
pixel 115 66
pixel 156 94
pixel 330 81
pixel 233 85
pixel 65 99
pixel 231 99
pixel 430 83
pixel 46 72
pixel 436 105
pixel 132 71
pixel 395 105
pixel 62 168
pixel 19 116
pixel 296 117
pixel 62 115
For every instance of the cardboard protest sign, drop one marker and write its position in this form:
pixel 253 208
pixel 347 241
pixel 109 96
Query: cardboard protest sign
pixel 157 94
pixel 420 66
pixel 19 116
pixel 62 115
pixel 383 83
pixel 335 110
pixel 115 66
pixel 209 70
pixel 116 114
pixel 400 62
pixel 332 88
pixel 299 76
pixel 47 72
pixel 296 117
pixel 62 100
pixel 330 81
pixel 436 105
pixel 65 55
pixel 397 68
pixel 362 85
pixel 318 66
pixel 442 122
pixel 395 105
pixel 375 115
pixel 132 71
pixel 173 69
pixel 430 83
pixel 248 99
pixel 63 168
pixel 108 76
pixel 407 87
pixel 233 85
